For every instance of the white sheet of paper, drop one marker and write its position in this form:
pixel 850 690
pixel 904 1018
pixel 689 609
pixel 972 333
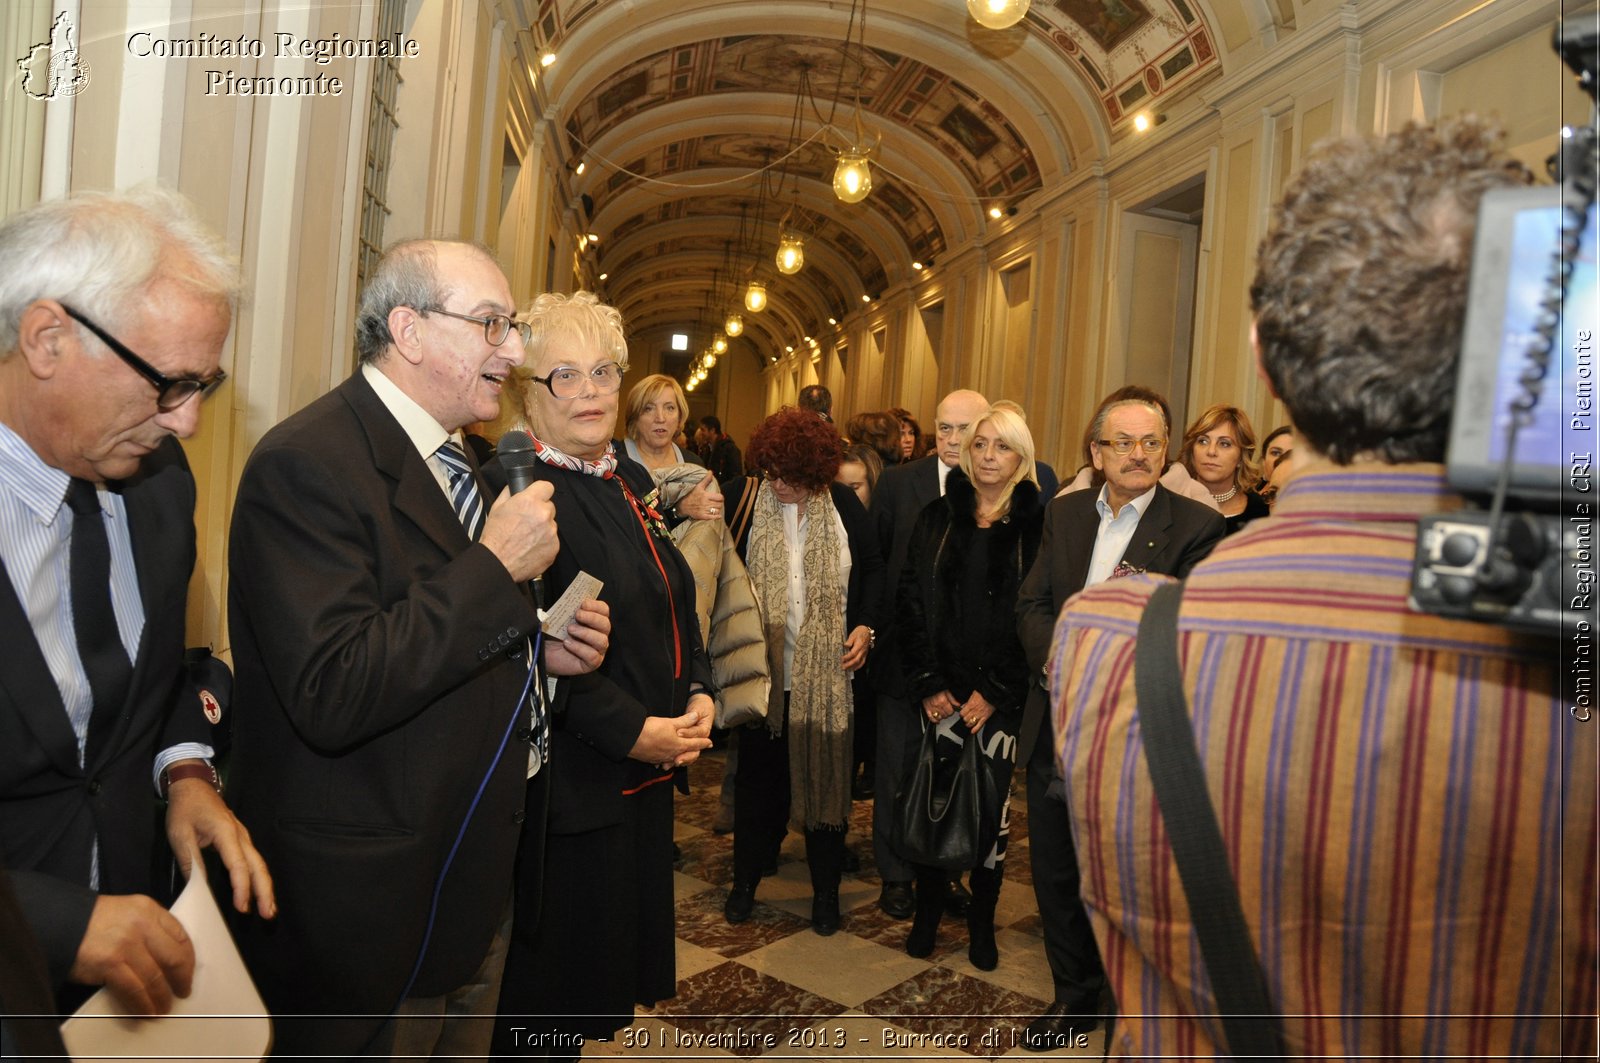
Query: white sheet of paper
pixel 222 1018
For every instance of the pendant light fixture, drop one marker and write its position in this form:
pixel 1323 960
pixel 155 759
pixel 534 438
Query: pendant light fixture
pixel 997 14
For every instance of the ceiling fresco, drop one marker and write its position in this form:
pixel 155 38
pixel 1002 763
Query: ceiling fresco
pixel 680 132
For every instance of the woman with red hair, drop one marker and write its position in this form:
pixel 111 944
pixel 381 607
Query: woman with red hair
pixel 814 562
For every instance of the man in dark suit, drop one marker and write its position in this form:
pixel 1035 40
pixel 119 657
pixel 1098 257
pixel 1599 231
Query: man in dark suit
pixel 903 492
pixel 381 629
pixel 1132 524
pixel 721 453
pixel 97 544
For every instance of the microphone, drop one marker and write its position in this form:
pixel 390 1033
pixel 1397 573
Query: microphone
pixel 517 460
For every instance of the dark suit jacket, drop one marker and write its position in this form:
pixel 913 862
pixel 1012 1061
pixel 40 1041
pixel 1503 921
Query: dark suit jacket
pixel 903 492
pixel 1172 537
pixel 51 810
pixel 380 664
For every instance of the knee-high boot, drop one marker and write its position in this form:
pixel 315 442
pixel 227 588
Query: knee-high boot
pixel 930 907
pixel 981 949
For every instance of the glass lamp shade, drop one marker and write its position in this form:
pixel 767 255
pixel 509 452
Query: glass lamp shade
pixel 711 360
pixel 755 297
pixel 852 178
pixel 734 325
pixel 719 345
pixel 997 14
pixel 791 253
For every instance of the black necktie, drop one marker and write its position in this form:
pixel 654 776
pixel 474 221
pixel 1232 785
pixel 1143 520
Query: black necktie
pixel 100 648
pixel 463 487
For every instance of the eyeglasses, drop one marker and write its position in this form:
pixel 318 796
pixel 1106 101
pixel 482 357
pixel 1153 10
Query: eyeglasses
pixel 496 327
pixel 171 392
pixel 1120 447
pixel 567 383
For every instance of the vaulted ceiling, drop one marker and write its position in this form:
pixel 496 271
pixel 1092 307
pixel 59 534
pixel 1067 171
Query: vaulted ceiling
pixel 700 123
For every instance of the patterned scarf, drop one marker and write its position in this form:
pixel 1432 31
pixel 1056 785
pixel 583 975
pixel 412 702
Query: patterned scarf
pixel 819 700
pixel 562 460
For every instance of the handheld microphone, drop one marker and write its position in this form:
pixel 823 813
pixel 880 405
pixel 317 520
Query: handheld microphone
pixel 517 459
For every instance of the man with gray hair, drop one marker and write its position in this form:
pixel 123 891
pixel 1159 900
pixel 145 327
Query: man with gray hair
pixel 381 629
pixel 1132 524
pixel 113 312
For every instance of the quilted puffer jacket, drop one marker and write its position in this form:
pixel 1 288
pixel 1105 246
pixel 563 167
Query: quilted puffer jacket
pixel 730 618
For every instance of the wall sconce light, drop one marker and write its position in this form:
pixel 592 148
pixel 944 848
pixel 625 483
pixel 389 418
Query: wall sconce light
pixel 582 166
pixel 547 59
pixel 833 321
pixel 755 297
pixel 1144 121
pixel 865 298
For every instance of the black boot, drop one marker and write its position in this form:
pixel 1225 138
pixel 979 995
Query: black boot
pixel 825 912
pixel 741 901
pixel 981 949
pixel 930 909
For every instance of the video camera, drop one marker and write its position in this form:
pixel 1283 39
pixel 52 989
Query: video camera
pixel 1523 438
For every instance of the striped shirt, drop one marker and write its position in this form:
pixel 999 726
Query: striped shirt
pixel 1408 807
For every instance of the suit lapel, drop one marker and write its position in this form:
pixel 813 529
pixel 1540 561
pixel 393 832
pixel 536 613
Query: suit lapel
pixel 1081 528
pixel 416 492
pixel 27 682
pixel 1150 538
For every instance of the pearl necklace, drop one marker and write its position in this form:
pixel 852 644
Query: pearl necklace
pixel 1222 498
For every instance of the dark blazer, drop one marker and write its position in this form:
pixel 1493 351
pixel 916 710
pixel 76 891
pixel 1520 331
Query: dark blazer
pixel 51 810
pixel 1174 535
pixel 865 597
pixel 601 715
pixel 903 492
pixel 380 666
pixel 948 640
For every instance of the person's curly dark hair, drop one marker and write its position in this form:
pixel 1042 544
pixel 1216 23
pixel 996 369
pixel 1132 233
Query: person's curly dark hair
pixel 797 447
pixel 1361 286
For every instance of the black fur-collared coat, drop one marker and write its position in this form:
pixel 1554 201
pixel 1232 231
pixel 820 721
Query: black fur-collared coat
pixel 950 638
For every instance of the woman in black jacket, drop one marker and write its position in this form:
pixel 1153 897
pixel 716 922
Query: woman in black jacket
pixel 964 662
pixel 814 564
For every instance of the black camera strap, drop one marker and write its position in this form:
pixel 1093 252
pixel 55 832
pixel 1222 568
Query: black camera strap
pixel 1249 1019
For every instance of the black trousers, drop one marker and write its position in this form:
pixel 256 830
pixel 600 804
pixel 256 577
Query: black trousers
pixel 761 811
pixel 1068 938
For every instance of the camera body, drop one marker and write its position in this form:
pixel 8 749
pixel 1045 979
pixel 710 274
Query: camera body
pixel 1523 432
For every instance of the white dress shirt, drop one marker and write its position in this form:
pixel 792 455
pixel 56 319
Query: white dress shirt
pixel 1115 534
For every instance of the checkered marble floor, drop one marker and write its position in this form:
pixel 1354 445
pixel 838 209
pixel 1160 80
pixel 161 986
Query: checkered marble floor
pixel 770 987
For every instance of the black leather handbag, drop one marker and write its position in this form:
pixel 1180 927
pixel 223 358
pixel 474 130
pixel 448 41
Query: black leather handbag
pixel 939 812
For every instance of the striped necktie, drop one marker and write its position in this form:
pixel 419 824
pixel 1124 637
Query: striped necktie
pixel 463 487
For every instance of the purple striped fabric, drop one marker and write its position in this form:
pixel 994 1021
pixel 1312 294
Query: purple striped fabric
pixel 1408 806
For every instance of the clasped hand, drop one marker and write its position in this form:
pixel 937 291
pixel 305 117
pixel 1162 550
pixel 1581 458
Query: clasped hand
pixel 675 741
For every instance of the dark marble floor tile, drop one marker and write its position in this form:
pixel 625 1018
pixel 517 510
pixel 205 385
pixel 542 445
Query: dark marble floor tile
pixel 944 1002
pixel 735 1008
pixel 1029 924
pixel 708 857
pixel 700 922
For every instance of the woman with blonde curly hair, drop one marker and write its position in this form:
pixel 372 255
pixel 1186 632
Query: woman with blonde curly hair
pixel 593 931
pixel 1219 451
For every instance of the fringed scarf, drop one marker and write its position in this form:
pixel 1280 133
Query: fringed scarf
pixel 819 698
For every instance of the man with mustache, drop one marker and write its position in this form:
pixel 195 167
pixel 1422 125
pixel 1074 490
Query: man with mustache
pixel 1132 524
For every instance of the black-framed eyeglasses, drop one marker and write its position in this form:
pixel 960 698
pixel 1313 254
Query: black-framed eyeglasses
pixel 1120 447
pixel 496 327
pixel 171 391
pixel 565 382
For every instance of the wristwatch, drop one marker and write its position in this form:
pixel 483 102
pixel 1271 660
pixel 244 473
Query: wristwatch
pixel 189 770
